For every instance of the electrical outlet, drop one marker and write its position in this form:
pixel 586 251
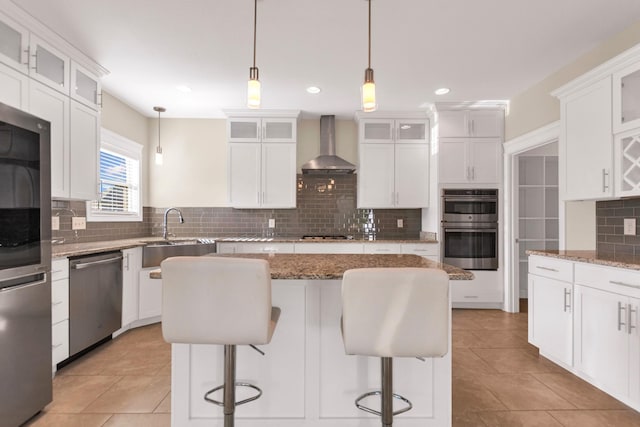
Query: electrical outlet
pixel 400 223
pixel 55 223
pixel 630 226
pixel 272 223
pixel 78 223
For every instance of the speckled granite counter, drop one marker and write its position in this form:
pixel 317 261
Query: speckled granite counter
pixel 630 262
pixel 332 266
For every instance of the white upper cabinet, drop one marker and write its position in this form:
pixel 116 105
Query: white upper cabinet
pixel 471 123
pixel 254 129
pixel 626 98
pixel 394 163
pixel 48 65
pixel 262 159
pixel 84 131
pixel 14 44
pixel 470 160
pixel 14 87
pixel 85 86
pixel 586 147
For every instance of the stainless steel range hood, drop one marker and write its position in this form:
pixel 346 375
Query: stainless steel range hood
pixel 328 162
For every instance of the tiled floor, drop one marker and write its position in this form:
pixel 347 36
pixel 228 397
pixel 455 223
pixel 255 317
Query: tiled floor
pixel 498 380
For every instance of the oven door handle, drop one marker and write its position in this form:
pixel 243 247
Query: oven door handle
pixel 471 199
pixel 462 230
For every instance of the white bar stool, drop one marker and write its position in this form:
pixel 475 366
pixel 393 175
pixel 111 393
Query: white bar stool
pixel 394 312
pixel 225 301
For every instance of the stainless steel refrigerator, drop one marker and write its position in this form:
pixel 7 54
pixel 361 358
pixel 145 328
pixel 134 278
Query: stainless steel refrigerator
pixel 25 265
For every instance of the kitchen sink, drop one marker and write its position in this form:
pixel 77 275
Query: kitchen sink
pixel 156 251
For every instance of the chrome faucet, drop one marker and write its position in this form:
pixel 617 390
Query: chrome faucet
pixel 164 224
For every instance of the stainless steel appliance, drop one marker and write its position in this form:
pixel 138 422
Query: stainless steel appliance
pixel 95 299
pixel 25 264
pixel 470 228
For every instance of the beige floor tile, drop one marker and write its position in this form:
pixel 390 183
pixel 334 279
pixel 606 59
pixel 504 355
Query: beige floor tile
pixel 132 395
pixel 165 406
pixel 465 363
pixel 470 395
pixel 74 393
pixel 580 393
pixel 523 392
pixel 519 419
pixel 465 339
pixel 627 418
pixel 48 419
pixel 516 361
pixel 138 364
pixel 139 420
pixel 165 370
pixel 466 419
pixel 498 339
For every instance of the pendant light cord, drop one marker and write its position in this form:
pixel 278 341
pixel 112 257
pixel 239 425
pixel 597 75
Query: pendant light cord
pixel 255 24
pixel 369 33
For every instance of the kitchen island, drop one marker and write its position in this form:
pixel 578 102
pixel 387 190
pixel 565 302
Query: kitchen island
pixel 305 375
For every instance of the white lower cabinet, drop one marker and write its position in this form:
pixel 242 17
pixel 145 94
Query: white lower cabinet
pixel 595 333
pixel 149 295
pixel 551 318
pixel 131 266
pixel 59 310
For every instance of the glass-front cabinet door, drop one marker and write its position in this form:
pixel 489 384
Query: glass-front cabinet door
pixel 14 45
pixel 376 131
pixel 626 99
pixel 85 87
pixel 243 129
pixel 412 131
pixel 48 65
pixel 279 130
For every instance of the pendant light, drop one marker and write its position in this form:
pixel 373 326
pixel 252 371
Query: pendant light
pixel 159 148
pixel 253 86
pixel 369 87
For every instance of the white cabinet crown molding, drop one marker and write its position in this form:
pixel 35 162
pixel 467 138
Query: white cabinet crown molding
pixel 473 105
pixel 601 71
pixel 421 115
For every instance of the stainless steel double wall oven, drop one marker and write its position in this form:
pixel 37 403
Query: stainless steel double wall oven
pixel 470 228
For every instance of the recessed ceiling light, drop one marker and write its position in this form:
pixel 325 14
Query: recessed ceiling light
pixel 442 91
pixel 313 89
pixel 183 88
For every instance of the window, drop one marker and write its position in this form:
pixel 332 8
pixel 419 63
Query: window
pixel 119 180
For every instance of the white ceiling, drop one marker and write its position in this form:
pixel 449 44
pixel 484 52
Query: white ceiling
pixel 481 49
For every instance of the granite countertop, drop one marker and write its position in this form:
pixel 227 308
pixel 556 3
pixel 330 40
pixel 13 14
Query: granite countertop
pixel 630 262
pixel 76 249
pixel 332 266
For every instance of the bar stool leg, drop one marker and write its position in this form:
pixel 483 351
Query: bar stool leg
pixel 229 398
pixel 387 391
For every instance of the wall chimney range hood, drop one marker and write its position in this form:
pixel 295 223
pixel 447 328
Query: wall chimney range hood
pixel 328 162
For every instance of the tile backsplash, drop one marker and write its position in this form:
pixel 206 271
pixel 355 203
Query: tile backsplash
pixel 325 205
pixel 610 216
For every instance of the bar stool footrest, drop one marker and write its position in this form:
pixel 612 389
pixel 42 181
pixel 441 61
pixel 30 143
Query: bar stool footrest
pixel 237 384
pixel 378 392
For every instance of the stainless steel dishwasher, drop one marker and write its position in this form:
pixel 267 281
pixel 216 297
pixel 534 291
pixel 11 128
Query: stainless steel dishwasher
pixel 95 299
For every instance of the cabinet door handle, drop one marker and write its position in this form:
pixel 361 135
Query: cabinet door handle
pixel 99 99
pixel 126 266
pixel 629 285
pixel 546 268
pixel 630 310
pixel 567 300
pixel 56 303
pixel 34 66
pixel 26 60
pixel 393 197
pixel 397 198
pixel 473 127
pixel 605 183
pixel 621 308
pixel 468 174
pixel 473 173
pixel 53 347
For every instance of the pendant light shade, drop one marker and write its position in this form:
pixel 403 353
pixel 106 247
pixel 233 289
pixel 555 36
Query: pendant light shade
pixel 253 86
pixel 369 86
pixel 159 159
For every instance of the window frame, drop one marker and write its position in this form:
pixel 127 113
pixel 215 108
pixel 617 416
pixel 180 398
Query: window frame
pixel 120 145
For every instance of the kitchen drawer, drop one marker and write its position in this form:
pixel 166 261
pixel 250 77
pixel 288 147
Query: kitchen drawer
pixel 60 342
pixel 59 300
pixel 551 267
pixel 264 247
pixel 611 279
pixel 382 248
pixel 422 249
pixel 59 268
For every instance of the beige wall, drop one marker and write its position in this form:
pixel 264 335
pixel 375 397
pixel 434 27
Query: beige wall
pixel 123 120
pixel 535 107
pixel 194 172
